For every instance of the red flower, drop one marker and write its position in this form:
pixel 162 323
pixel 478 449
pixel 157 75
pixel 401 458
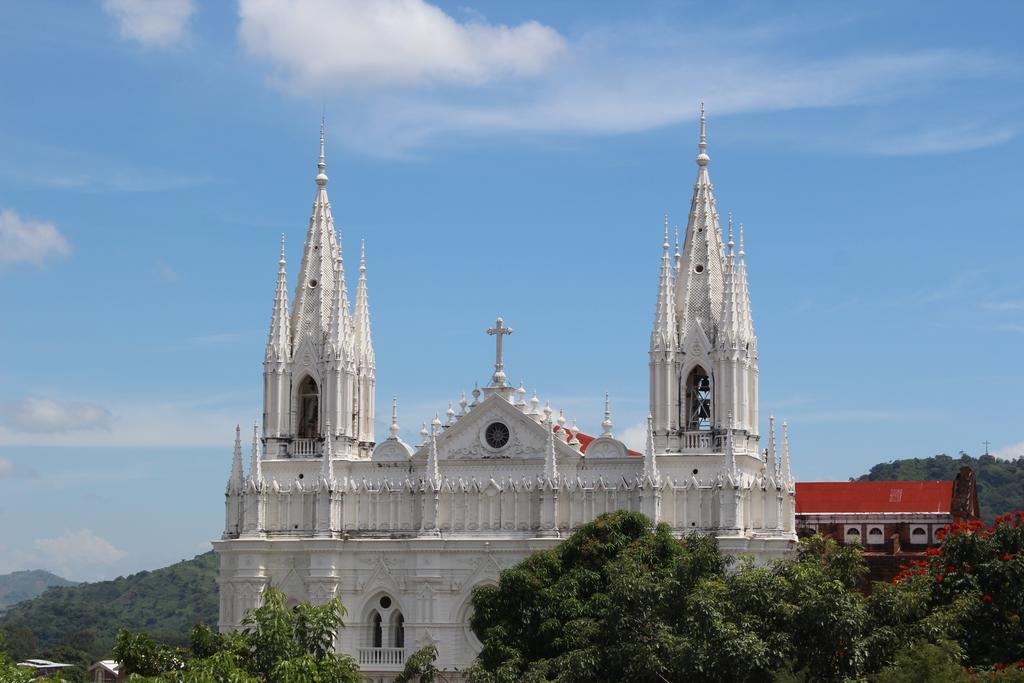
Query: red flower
pixel 987 598
pixel 950 570
pixel 1000 667
pixel 1006 557
pixel 938 577
pixel 934 551
pixel 1019 665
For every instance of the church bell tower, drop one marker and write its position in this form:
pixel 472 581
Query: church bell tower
pixel 319 369
pixel 703 353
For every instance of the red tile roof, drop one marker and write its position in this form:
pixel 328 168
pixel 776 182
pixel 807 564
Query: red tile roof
pixel 820 497
pixel 585 440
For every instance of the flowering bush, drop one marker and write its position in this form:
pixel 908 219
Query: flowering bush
pixel 972 587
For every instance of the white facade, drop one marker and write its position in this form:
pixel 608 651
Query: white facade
pixel 403 533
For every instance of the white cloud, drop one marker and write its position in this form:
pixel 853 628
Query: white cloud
pixel 634 436
pixel 1011 452
pixel 604 80
pixel 208 421
pixel 76 553
pixel 6 467
pixel 24 240
pixel 166 272
pixel 321 43
pixel 941 140
pixel 49 416
pixel 157 23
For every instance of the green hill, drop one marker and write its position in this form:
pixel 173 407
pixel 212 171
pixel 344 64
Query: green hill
pixel 1000 482
pixel 18 586
pixel 166 603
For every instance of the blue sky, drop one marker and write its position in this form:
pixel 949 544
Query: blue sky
pixel 502 158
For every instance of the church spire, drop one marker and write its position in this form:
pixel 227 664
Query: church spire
pixel 664 333
pixel 785 476
pixel 746 320
pixel 729 315
pixel 255 463
pixel 235 483
pixel 363 338
pixel 328 464
pixel 550 455
pixel 338 332
pixel 313 292
pixel 701 279
pixel 279 340
pixel 433 471
pixel 650 457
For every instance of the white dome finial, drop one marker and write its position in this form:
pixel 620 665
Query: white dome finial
pixel 394 417
pixel 606 424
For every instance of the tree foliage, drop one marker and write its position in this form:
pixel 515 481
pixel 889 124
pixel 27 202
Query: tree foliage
pixel 420 667
pixel 276 644
pixel 622 600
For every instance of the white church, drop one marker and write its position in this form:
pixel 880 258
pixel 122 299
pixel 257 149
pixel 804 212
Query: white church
pixel 402 533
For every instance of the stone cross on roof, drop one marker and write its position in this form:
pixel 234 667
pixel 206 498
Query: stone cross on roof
pixel 499 330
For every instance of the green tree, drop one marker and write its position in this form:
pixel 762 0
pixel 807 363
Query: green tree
pixel 10 672
pixel 276 644
pixel 624 600
pixel 419 667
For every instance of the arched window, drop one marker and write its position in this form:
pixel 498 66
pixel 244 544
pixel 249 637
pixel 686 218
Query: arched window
pixel 853 535
pixel 875 535
pixel 309 409
pixel 378 630
pixel 399 630
pixel 698 400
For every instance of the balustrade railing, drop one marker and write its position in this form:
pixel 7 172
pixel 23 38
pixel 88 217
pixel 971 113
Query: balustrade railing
pixel 700 441
pixel 382 656
pixel 304 447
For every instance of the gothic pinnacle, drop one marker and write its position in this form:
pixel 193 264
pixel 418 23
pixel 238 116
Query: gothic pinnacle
pixel 235 483
pixel 256 464
pixel 650 457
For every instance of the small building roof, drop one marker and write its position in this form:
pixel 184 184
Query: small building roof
pixel 107 664
pixel 838 497
pixel 42 664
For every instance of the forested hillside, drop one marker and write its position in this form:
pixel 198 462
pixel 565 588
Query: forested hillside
pixel 1000 482
pixel 166 603
pixel 18 586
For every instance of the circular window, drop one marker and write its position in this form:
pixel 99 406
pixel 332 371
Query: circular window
pixel 496 435
pixel 312 283
pixel 385 602
pixel 698 268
